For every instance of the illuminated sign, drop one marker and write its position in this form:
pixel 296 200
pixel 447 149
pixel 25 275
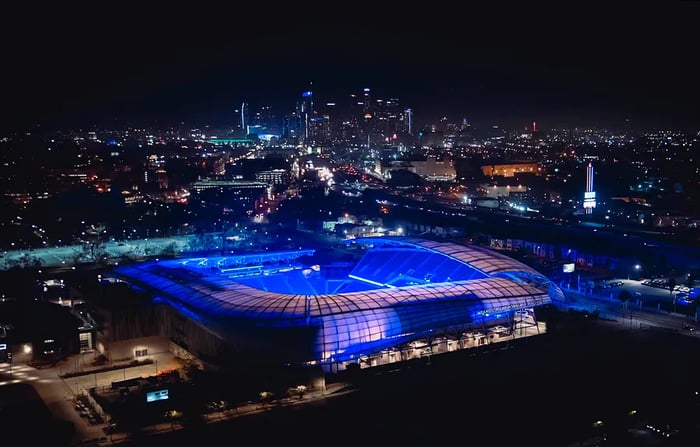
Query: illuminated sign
pixel 3 346
pixel 568 268
pixel 153 396
pixel 589 199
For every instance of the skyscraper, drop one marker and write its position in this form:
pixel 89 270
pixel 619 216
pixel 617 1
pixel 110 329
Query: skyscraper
pixel 306 110
pixel 242 120
pixel 408 113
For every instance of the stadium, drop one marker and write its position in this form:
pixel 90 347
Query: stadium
pixel 383 298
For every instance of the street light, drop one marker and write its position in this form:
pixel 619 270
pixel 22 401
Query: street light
pixel 637 268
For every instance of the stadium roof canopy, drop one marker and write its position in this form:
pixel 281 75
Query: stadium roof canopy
pixel 400 290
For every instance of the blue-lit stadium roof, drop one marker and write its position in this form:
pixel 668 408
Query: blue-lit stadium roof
pixel 398 291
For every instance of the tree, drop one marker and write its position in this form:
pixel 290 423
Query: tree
pixel 672 284
pixel 170 250
pixel 77 256
pixel 297 391
pixel 266 397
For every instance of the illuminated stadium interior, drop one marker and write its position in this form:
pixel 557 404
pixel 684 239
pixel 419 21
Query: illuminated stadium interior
pixel 395 294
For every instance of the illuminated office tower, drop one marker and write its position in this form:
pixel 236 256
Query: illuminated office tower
pixel 589 194
pixel 242 127
pixel 306 110
pixel 366 100
pixel 409 121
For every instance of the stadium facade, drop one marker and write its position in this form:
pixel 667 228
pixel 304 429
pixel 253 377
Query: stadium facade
pixel 298 308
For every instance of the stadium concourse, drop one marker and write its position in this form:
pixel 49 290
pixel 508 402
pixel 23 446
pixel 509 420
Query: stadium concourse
pixel 396 298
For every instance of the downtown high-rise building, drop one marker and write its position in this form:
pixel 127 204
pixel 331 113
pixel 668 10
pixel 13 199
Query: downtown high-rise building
pixel 242 121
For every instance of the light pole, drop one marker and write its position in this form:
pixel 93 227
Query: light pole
pixel 630 312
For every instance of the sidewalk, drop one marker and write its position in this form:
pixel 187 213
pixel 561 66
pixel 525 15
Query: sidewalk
pixel 250 408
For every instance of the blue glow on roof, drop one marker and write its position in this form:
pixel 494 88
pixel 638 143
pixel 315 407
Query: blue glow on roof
pixel 398 291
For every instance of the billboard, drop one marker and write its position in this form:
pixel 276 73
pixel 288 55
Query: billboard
pixel 589 199
pixel 153 396
pixel 568 268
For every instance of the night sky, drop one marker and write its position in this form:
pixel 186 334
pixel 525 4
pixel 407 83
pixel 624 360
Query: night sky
pixel 510 65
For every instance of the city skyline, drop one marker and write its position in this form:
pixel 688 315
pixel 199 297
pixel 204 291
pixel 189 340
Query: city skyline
pixel 595 67
pixel 175 204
